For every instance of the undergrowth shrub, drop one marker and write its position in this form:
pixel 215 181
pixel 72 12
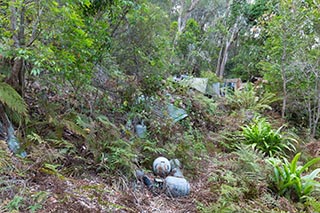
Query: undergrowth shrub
pixel 190 148
pixel 118 157
pixel 15 193
pixel 109 150
pixel 313 203
pixel 250 99
pixel 57 157
pixel 204 112
pixel 289 179
pixel 147 150
pixel 260 135
pixel 238 177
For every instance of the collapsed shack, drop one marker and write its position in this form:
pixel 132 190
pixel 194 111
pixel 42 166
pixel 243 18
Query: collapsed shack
pixel 214 89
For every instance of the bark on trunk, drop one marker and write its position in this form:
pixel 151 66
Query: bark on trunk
pixel 16 78
pixel 316 114
pixel 224 51
pixel 284 77
pixel 17 75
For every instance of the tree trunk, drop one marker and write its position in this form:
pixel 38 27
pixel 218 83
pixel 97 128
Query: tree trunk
pixel 224 51
pixel 316 115
pixel 219 61
pixel 17 75
pixel 284 77
pixel 183 17
pixel 284 101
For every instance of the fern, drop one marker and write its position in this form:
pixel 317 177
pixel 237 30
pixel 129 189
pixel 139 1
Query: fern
pixel 10 98
pixel 249 99
pixel 72 126
pixel 5 160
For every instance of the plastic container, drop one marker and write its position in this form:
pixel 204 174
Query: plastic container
pixel 177 187
pixel 141 130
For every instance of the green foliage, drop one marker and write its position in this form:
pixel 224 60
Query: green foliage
pixel 57 122
pixel 289 61
pixel 188 48
pixel 205 106
pixel 15 203
pixel 118 157
pixel 249 98
pixel 148 150
pixel 250 165
pixel 143 50
pixel 261 136
pixel 212 77
pixel 313 203
pixel 109 151
pixel 190 36
pixel 11 99
pixel 288 178
pixel 237 179
pixel 39 199
pixel 50 154
pixel 254 11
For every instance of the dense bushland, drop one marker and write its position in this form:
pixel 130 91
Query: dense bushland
pixel 77 79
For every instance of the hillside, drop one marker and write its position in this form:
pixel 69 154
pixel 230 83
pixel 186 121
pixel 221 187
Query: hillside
pixel 92 92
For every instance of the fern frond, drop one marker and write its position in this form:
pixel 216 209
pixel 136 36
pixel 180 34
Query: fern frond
pixel 72 126
pixel 10 98
pixel 5 159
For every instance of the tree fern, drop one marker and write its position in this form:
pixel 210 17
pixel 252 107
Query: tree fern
pixel 11 99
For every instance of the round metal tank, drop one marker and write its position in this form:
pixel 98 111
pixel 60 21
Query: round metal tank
pixel 177 187
pixel 161 166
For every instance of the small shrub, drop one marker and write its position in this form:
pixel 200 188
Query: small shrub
pixel 249 99
pixel 289 181
pixel 313 203
pixel 119 157
pixel 237 179
pixel 262 137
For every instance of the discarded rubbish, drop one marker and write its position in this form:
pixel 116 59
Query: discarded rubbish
pixel 141 176
pixel 13 143
pixel 176 113
pixel 177 186
pixel 161 166
pixel 199 84
pixel 214 89
pixel 141 130
pixel 174 185
pixel 204 86
pixel 175 163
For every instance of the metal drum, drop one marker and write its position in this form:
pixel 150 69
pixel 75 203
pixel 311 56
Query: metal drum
pixel 161 166
pixel 177 186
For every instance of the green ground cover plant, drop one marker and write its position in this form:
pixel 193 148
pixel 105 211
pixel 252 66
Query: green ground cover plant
pixel 290 180
pixel 272 142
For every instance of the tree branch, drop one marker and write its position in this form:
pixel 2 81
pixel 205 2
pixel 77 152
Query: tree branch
pixel 13 22
pixel 34 34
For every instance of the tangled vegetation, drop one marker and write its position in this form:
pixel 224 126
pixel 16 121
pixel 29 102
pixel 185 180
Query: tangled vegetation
pixel 92 91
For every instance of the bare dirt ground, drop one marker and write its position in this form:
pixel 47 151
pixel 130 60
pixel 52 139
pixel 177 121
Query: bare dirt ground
pixel 94 194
